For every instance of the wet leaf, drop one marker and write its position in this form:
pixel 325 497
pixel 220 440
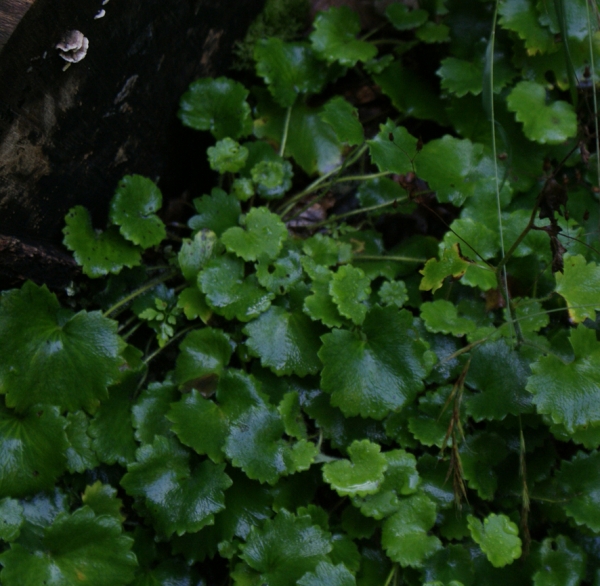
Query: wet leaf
pixel 498 538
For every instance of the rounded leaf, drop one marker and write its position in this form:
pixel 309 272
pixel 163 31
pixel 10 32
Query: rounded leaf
pixel 498 538
pixel 349 287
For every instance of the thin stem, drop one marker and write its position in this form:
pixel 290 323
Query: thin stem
pixel 594 95
pixel 336 218
pixel 286 128
pixel 391 575
pixel 178 335
pixel 392 258
pixel 131 331
pixel 147 286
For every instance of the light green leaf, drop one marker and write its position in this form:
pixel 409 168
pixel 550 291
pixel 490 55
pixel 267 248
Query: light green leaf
pixel 405 537
pixel 285 342
pixel 404 18
pixel 442 316
pixel 273 178
pixel 378 370
pixel 320 305
pixel 263 236
pixel 280 274
pixel 326 251
pixel 348 288
pixel 177 498
pixel 228 293
pixel 98 253
pixel 569 392
pixel 334 37
pixel 498 538
pixel 393 293
pixel 53 356
pixel 393 149
pixel 203 353
pixel 286 548
pixel 561 563
pixel 133 209
pixel 76 549
pixel 193 303
pixel 579 284
pixel 289 69
pixel 195 253
pixel 361 475
pixel 546 124
pixel 327 574
pixel 435 271
pixel 218 105
pixel 227 156
pixel 216 212
pixel 11 519
pixel 343 118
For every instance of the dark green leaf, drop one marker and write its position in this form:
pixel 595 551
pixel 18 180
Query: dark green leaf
pixel 393 149
pixel 404 18
pixel 579 285
pixel 149 410
pixel 102 499
pixel 11 519
pixel 216 212
pixel 561 563
pixel 327 574
pixel 80 455
pixel 343 118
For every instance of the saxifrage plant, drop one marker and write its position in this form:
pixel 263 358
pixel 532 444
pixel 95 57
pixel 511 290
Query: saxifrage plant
pixel 286 393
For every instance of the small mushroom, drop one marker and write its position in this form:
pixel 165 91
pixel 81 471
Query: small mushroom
pixel 73 46
pixel 100 14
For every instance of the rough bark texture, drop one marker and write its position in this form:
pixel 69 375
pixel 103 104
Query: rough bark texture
pixel 66 137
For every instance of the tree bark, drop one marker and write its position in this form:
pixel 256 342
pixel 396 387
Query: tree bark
pixel 68 136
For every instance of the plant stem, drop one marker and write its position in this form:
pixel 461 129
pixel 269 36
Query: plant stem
pixel 286 127
pixel 336 218
pixel 391 257
pixel 178 335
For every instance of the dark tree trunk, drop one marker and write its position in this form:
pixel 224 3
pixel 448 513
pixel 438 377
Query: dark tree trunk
pixel 67 136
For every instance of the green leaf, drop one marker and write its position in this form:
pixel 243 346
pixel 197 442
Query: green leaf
pixel 546 124
pixel 51 355
pixel 200 424
pixel 263 237
pixel 561 563
pixel 393 149
pixel 569 392
pixel 431 32
pixel 403 18
pixel 218 105
pixel 334 37
pixel 579 480
pixel 202 353
pixel 362 474
pixel 327 574
pixel 320 306
pixel 133 209
pixel 349 287
pixel 11 519
pixel 227 156
pixel 216 212
pixel 393 293
pixel 291 415
pixel 378 370
pixel 453 562
pixel 326 251
pixel 442 316
pixel 193 303
pixel 461 77
pixel 195 253
pixel 280 274
pixel 177 499
pixel 98 253
pixel 273 178
pixel 379 191
pixel 405 537
pixel 289 69
pixel 499 395
pixel 285 342
pixel 76 549
pixel 498 538
pixel 579 285
pixel 401 478
pixel 229 294
pixel 480 452
pixel 102 499
pixel 343 118
pixel 522 17
pixel 435 271
pixel 286 548
pixel 149 410
pixel 80 455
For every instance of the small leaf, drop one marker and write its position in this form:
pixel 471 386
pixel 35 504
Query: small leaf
pixel 286 548
pixel 195 253
pixel 432 32
pixel 405 537
pixel 280 274
pixel 442 316
pixel 546 124
pixel 569 392
pixel 393 149
pixel 132 209
pixel 80 455
pixel 498 538
pixel 193 303
pixel 229 294
pixel 362 474
pixel 403 18
pixel 287 343
pixel 320 305
pixel 102 499
pixel 522 17
pixel 218 105
pixel 97 253
pixel 326 251
pixel 11 519
pixel 349 287
pixel 263 236
pixel 289 69
pixel 461 77
pixel 327 574
pixel 53 356
pixel 561 562
pixel 273 178
pixel 78 548
pixel 216 212
pixel 203 352
pixel 343 118
pixel 334 37
pixel 393 293
pixel 227 156
pixel 378 370
pixel 579 285
pixel 149 410
pixel 177 499
pixel 435 271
